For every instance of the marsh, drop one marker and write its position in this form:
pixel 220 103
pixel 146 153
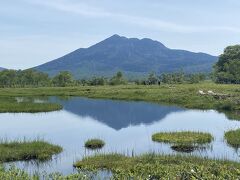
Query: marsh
pixel 125 126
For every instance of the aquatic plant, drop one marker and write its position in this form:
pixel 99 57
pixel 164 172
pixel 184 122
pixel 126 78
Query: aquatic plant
pixel 184 137
pixel 233 138
pixel 152 166
pixel 14 173
pixel 27 150
pixel 94 143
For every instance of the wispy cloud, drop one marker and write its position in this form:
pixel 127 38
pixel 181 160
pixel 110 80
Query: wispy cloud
pixel 89 11
pixel 80 8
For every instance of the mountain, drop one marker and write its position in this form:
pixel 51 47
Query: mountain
pixel 1 69
pixel 131 55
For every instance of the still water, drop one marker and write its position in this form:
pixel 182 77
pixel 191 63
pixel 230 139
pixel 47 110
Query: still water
pixel 126 127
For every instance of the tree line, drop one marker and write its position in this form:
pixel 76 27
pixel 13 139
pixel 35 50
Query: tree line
pixel 173 78
pixel 32 78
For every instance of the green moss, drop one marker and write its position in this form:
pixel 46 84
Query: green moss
pixel 27 150
pixel 151 166
pixel 94 143
pixel 186 137
pixel 233 138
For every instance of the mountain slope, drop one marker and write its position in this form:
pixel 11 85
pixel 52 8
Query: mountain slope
pixel 132 56
pixel 1 69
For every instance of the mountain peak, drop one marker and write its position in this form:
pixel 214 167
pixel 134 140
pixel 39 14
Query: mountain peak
pixel 117 39
pixel 115 36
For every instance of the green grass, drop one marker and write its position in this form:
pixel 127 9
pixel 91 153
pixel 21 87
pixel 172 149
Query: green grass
pixel 28 107
pixel 27 150
pixel 94 143
pixel 11 105
pixel 184 137
pixel 14 173
pixel 151 166
pixel 233 138
pixel 185 95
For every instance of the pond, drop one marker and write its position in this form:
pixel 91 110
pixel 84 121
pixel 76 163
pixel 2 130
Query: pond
pixel 126 127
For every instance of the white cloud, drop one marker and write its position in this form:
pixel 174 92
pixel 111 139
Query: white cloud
pixel 89 11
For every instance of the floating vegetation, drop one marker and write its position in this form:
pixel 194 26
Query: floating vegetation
pixel 184 137
pixel 94 144
pixel 184 141
pixel 152 166
pixel 27 150
pixel 233 138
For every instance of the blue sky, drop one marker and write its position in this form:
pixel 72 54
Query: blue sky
pixel 33 32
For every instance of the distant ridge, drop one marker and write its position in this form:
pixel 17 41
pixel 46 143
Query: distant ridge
pixel 135 57
pixel 1 69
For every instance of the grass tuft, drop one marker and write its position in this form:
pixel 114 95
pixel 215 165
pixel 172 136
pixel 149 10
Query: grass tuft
pixel 27 150
pixel 94 143
pixel 233 138
pixel 183 138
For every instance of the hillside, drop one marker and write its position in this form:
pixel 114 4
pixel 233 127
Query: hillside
pixel 130 55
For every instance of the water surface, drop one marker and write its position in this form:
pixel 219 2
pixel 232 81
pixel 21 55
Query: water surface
pixel 126 127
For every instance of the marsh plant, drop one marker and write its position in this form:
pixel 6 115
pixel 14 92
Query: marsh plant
pixel 184 137
pixel 233 138
pixel 13 106
pixel 94 144
pixel 152 166
pixel 23 150
pixel 185 95
pixel 14 173
pixel 185 141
